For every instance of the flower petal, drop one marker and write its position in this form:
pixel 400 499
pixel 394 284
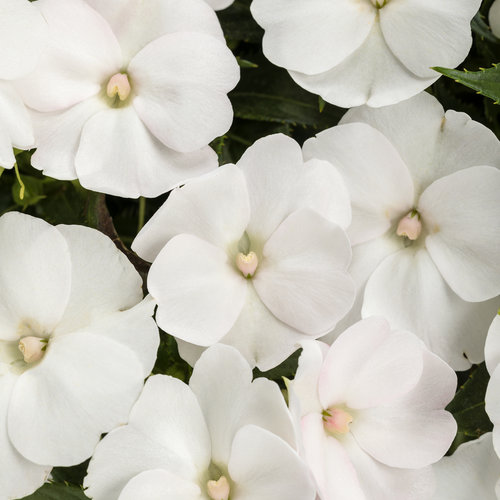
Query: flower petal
pixel 442 31
pixel 409 291
pixel 81 55
pixel 371 75
pixel 264 466
pixel 492 347
pixel 461 214
pixel 35 275
pixel 303 277
pixel 200 294
pixel 119 156
pixel 492 400
pixel 295 40
pixel 159 485
pixel 214 207
pixel 229 403
pixel 85 385
pixel 181 81
pixel 378 181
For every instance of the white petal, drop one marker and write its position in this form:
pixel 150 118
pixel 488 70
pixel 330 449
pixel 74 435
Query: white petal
pixel 492 347
pixel 494 18
pixel 19 477
pixel 16 129
pixel 84 386
pixel 371 75
pixel 279 183
pixel 492 400
pixel 58 137
pixel 166 431
pixel 200 294
pixel 263 339
pixel 159 485
pixel 312 37
pixel 23 34
pixel 181 81
pixel 461 212
pixel 103 281
pixel 119 156
pixel 82 54
pixel 303 277
pixel 423 33
pixel 409 291
pixel 35 275
pixel 231 402
pixel 378 181
pixel 214 207
pixel 219 4
pixel 471 472
pixel 135 23
pixel 264 466
pixel 330 465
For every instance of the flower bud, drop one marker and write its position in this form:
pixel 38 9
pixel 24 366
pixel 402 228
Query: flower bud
pixel 32 348
pixel 118 85
pixel 410 226
pixel 247 264
pixel 218 490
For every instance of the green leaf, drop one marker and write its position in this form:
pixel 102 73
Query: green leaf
pixel 33 192
pixel 285 370
pixel 485 82
pixel 238 24
pixel 56 491
pixel 468 409
pixel 479 27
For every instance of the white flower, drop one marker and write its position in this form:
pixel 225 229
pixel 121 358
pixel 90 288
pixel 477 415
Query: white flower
pixel 473 471
pixel 371 410
pixel 494 18
pixel 374 52
pixel 252 255
pixel 492 357
pixel 222 436
pixel 22 37
pixel 76 343
pixel 411 167
pixel 129 93
pixel 219 4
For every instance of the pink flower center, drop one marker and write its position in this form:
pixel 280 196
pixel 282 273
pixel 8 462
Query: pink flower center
pixel 410 226
pixel 218 490
pixel 32 348
pixel 247 263
pixel 118 85
pixel 336 421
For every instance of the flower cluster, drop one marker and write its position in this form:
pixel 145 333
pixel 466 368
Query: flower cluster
pixel 369 249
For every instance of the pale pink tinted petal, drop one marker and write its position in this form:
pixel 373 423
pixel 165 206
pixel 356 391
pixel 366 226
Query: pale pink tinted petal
pixel 461 212
pixel 492 347
pixel 471 472
pixel 312 37
pixel 330 465
pixel 303 278
pixel 423 33
pixel 214 207
pixel 58 137
pixel 85 385
pixel 81 55
pixel 378 181
pixel 409 291
pixel 264 466
pixel 19 477
pixel 181 81
pixel 118 155
pixel 199 292
pixel 231 402
pixel 371 75
pixel 159 485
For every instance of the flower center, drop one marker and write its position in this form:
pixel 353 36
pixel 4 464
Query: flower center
pixel 336 421
pixel 218 490
pixel 379 3
pixel 247 263
pixel 32 348
pixel 410 226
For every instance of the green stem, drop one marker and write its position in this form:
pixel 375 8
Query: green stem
pixel 21 183
pixel 142 213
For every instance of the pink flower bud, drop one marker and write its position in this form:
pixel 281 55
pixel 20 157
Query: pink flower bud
pixel 247 264
pixel 32 348
pixel 410 226
pixel 118 85
pixel 337 421
pixel 219 490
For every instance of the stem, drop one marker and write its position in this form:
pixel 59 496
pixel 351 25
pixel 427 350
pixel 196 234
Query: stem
pixel 21 183
pixel 142 213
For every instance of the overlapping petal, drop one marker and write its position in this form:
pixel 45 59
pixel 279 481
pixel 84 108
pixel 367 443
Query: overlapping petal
pixel 492 346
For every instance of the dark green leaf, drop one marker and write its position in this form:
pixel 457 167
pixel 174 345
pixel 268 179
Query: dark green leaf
pixel 238 24
pixel 482 29
pixel 56 491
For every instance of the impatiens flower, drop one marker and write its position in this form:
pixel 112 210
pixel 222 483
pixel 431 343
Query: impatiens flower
pixel 492 356
pixel 252 255
pixel 222 437
pixel 374 52
pixel 129 93
pixel 473 471
pixel 425 191
pixel 371 410
pixel 219 4
pixel 494 18
pixel 76 343
pixel 22 37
